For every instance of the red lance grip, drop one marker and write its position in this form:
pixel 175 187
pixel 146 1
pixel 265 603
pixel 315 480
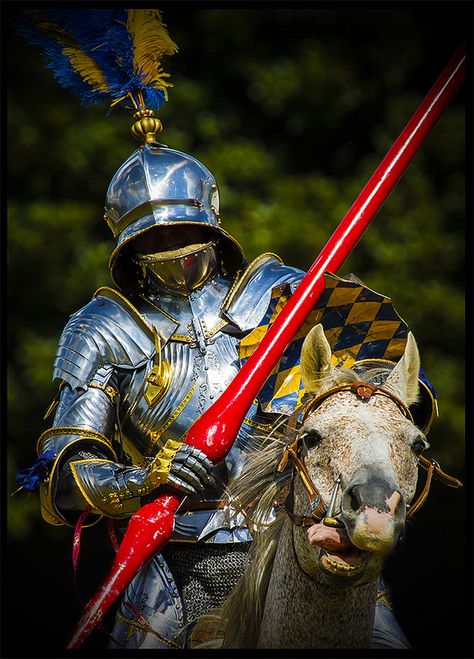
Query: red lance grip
pixel 214 432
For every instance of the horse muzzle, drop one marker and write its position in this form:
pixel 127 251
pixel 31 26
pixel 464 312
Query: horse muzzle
pixel 373 512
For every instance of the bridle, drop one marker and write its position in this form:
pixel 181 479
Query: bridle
pixel 319 511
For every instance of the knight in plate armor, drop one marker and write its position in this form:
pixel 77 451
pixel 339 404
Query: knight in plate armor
pixel 138 364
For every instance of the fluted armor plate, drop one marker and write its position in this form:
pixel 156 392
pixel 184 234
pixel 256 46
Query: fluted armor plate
pixel 161 186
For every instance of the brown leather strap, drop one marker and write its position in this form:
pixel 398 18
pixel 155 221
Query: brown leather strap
pixel 292 451
pixel 423 494
pixel 434 470
pixel 439 474
pixel 299 520
pixel 364 391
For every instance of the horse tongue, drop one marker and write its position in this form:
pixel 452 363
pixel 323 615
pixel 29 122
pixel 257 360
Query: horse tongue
pixel 329 538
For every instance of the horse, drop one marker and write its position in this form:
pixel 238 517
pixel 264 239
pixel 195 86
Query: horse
pixel 326 500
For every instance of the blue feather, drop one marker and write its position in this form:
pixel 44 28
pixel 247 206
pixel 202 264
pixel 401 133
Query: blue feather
pixel 53 55
pixel 32 477
pixel 424 379
pixel 102 35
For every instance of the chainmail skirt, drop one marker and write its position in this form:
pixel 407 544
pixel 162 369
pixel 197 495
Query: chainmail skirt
pixel 205 574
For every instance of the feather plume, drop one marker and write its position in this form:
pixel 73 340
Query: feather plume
pixel 151 41
pixel 87 69
pixel 103 54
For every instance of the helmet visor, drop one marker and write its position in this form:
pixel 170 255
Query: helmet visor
pixel 180 270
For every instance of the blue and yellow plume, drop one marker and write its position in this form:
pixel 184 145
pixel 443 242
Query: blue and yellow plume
pixel 104 55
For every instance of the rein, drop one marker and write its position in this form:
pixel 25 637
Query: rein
pixel 320 512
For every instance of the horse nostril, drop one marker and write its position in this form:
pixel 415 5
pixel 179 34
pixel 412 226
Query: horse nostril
pixel 372 493
pixel 353 499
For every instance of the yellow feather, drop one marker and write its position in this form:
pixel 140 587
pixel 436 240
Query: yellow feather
pixel 80 62
pixel 151 41
pixel 87 69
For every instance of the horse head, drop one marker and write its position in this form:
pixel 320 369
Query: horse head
pixel 360 450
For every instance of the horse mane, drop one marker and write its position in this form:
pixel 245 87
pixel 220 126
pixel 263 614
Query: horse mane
pixel 259 491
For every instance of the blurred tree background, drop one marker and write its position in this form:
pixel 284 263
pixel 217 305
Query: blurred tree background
pixel 292 110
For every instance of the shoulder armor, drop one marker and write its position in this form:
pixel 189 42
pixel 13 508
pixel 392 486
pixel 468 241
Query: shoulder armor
pixel 108 330
pixel 250 295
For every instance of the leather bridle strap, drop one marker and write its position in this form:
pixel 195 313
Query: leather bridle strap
pixel 316 501
pixel 364 391
pixel 434 470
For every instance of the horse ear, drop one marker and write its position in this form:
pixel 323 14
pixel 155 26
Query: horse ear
pixel 316 364
pixel 404 377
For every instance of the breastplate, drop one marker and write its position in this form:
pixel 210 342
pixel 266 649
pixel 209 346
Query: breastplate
pixel 202 361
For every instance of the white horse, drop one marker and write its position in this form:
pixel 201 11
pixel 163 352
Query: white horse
pixel 340 509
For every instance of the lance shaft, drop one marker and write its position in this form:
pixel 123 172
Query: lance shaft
pixel 214 432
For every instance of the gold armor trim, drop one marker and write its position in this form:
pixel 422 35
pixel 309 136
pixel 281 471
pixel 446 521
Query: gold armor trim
pixel 158 380
pixel 106 388
pixel 240 278
pixel 84 433
pixel 113 499
pixel 217 230
pixel 156 435
pixel 218 326
pixel 80 485
pixel 182 338
pixel 116 296
pixel 49 511
pixel 265 427
pixel 133 625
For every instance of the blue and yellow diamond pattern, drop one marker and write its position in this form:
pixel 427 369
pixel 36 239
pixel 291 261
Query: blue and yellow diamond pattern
pixel 359 324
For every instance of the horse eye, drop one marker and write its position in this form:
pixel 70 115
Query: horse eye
pixel 419 445
pixel 311 438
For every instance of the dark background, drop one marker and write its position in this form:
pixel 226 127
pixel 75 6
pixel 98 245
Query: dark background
pixel 292 110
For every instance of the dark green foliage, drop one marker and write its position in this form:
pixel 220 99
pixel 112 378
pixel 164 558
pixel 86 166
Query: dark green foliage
pixel 292 110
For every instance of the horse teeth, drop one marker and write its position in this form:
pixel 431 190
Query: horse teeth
pixel 340 566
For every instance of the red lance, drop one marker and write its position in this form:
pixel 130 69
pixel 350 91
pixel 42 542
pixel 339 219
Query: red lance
pixel 150 528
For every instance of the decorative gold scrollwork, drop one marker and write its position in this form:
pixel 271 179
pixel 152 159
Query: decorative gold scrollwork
pixel 158 382
pixel 159 378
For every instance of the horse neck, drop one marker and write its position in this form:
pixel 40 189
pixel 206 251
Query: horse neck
pixel 299 614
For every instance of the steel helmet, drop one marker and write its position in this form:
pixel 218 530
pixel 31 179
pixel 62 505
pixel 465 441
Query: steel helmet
pixel 158 186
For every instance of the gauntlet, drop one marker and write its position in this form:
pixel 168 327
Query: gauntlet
pixel 115 490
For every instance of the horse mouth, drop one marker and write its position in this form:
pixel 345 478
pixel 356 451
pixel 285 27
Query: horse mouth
pixel 346 564
pixel 338 556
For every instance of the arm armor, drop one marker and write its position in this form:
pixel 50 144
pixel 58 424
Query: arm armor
pixel 85 469
pixel 83 427
pixel 101 333
pixel 105 334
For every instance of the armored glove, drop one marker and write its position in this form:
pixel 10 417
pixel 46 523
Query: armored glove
pixel 115 490
pixel 189 468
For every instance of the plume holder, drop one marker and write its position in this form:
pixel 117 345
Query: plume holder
pixel 146 126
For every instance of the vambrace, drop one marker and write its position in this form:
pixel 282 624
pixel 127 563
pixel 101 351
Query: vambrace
pixel 83 427
pixel 111 489
pixel 66 441
pixel 115 490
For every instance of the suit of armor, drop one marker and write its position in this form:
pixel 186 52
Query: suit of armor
pixel 137 366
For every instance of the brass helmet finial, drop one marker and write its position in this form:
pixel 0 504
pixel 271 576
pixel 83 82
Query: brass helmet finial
pixel 146 126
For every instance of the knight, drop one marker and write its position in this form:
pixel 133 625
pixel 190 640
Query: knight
pixel 138 364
